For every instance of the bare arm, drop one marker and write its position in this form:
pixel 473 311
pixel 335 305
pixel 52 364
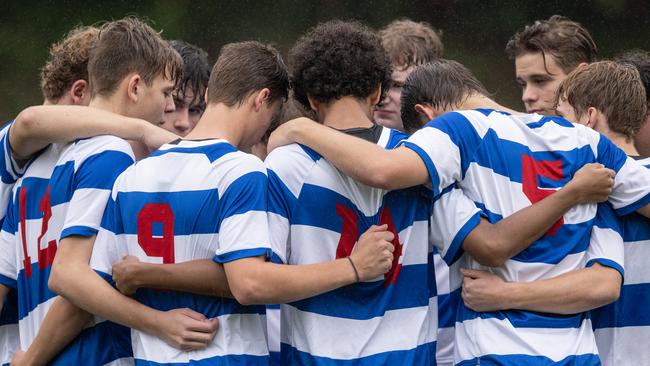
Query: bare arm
pixel 63 323
pixel 569 293
pixel 492 245
pixel 38 126
pixel 202 276
pixel 72 278
pixel 4 290
pixel 254 281
pixel 645 210
pixel 365 162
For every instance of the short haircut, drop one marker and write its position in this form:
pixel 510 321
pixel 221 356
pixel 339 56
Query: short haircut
pixel 67 62
pixel 442 84
pixel 640 59
pixel 410 43
pixel 337 59
pixel 567 41
pixel 243 68
pixel 196 71
pixel 126 46
pixel 612 88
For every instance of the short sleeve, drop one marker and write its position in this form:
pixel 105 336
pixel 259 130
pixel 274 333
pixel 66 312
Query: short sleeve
pixel 606 242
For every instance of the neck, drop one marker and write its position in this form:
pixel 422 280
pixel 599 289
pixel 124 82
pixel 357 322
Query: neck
pixel 221 121
pixel 623 143
pixel 475 101
pixel 346 113
pixel 108 104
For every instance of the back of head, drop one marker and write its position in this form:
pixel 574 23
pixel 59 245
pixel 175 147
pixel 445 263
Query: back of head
pixel 410 43
pixel 338 59
pixel 67 62
pixel 640 59
pixel 567 41
pixel 443 84
pixel 612 88
pixel 243 68
pixel 128 46
pixel 196 71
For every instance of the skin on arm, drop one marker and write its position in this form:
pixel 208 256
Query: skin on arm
pixel 4 290
pixel 363 161
pixel 569 293
pixel 131 274
pixel 72 278
pixel 36 127
pixel 493 244
pixel 645 210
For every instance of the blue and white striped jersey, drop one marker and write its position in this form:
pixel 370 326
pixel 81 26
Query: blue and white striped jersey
pixel 191 200
pixel 62 193
pixel 504 163
pixel 621 326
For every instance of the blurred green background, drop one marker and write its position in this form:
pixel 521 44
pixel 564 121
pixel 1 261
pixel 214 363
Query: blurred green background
pixel 474 32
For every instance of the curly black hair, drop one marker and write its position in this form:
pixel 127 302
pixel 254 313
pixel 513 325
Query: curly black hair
pixel 336 59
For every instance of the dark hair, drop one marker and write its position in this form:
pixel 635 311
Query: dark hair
pixel 130 45
pixel 245 67
pixel 337 59
pixel 196 71
pixel 442 84
pixel 567 41
pixel 410 43
pixel 640 59
pixel 612 88
pixel 67 62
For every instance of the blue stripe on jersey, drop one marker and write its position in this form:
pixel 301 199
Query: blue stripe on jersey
pixel 424 354
pixel 78 230
pixel 93 172
pixel 9 282
pixel 607 263
pixel 234 255
pixel 431 167
pixel 447 305
pixel 212 151
pixel 98 345
pixel 274 358
pixel 238 200
pixel 229 360
pixel 456 248
pixel 9 313
pixel 625 312
pixel 281 200
pixel 518 360
pixel 395 138
pixel 524 319
pixel 33 291
pixel 6 176
pixel 311 153
pixel 375 297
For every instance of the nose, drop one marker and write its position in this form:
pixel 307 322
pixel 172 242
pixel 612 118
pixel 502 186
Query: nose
pixel 182 121
pixel 169 104
pixel 529 94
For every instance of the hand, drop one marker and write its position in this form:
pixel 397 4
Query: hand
pixel 483 291
pixel 154 137
pixel 124 275
pixel 186 329
pixel 592 183
pixel 373 253
pixel 283 134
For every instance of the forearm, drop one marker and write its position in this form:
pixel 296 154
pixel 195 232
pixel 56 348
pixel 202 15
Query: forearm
pixel 645 210
pixel 569 293
pixel 61 325
pixel 4 290
pixel 38 126
pixel 203 277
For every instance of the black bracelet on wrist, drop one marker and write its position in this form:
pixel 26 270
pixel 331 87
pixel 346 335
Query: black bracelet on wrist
pixel 356 273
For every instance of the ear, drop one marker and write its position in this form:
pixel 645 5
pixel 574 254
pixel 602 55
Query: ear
pixel 374 96
pixel 205 97
pixel 582 64
pixel 426 111
pixel 134 87
pixel 261 98
pixel 79 92
pixel 313 104
pixel 592 116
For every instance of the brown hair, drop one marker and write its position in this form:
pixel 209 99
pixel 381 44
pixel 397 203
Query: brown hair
pixel 243 68
pixel 130 45
pixel 641 60
pixel 614 89
pixel 567 41
pixel 67 62
pixel 410 43
pixel 442 84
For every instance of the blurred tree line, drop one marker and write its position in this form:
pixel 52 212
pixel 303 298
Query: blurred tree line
pixel 474 32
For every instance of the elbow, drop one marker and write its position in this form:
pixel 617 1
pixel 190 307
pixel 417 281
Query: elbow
pixel 248 291
pixel 25 122
pixel 608 292
pixel 381 178
pixel 56 280
pixel 491 253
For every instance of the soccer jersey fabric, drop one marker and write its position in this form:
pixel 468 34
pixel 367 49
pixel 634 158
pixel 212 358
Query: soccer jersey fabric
pixel 505 163
pixel 62 193
pixel 623 327
pixel 9 173
pixel 191 200
pixel 317 214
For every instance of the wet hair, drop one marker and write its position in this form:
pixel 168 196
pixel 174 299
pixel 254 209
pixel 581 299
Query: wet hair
pixel 640 59
pixel 196 71
pixel 337 59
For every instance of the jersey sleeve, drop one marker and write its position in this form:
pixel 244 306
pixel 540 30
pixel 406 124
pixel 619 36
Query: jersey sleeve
pixel 632 182
pixel 109 244
pixel 606 242
pixel 92 185
pixel 445 145
pixel 242 219
pixel 9 257
pixel 11 171
pixel 454 216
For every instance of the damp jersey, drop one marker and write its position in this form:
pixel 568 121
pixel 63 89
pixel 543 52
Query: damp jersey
pixel 9 173
pixel 61 193
pixel 621 326
pixel 317 214
pixel 504 163
pixel 191 200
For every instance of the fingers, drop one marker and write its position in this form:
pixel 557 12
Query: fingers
pixel 375 228
pixel 471 273
pixel 193 314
